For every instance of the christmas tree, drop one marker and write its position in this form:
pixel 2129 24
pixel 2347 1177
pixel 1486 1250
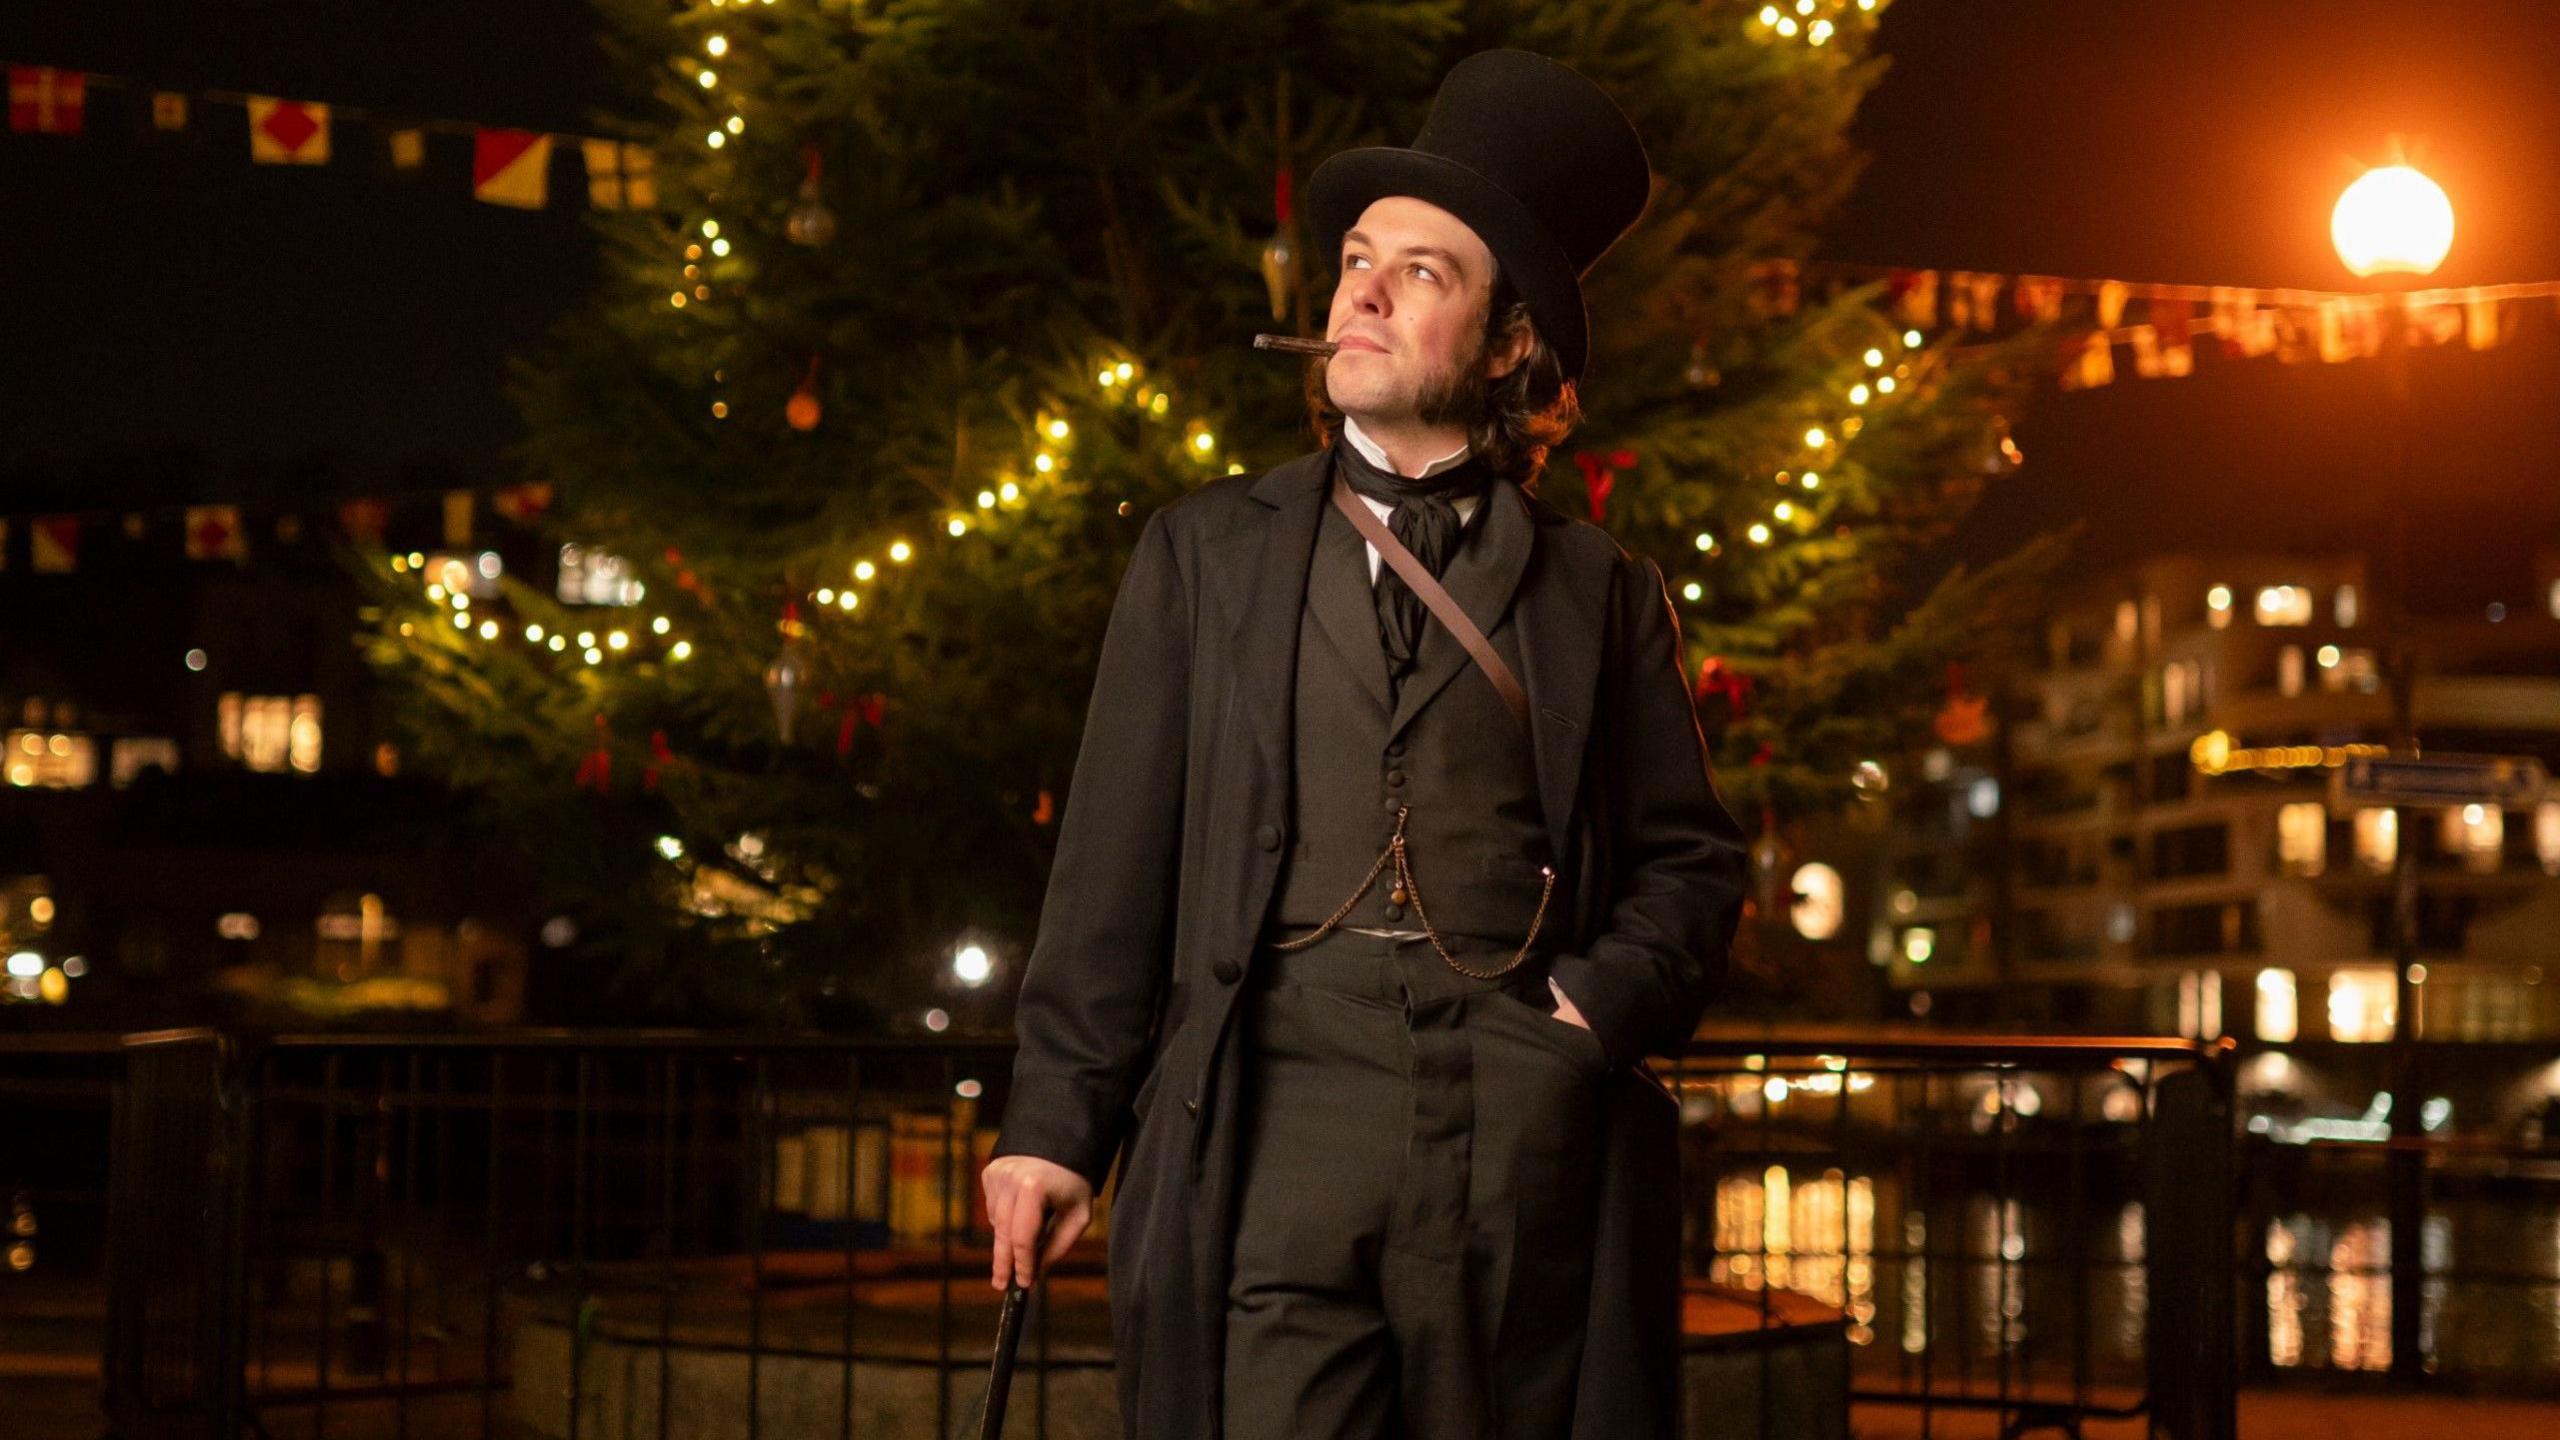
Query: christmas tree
pixel 940 299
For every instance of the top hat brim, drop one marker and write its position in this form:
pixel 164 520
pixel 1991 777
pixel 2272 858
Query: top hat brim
pixel 1347 183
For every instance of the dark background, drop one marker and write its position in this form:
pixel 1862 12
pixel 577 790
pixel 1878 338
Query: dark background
pixel 178 316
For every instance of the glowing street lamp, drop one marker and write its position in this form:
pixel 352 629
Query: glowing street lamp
pixel 2392 221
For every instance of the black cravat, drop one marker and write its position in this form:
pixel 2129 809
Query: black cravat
pixel 1425 522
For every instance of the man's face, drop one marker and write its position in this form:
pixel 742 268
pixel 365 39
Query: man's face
pixel 1409 315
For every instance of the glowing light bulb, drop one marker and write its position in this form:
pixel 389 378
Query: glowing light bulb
pixel 658 626
pixel 718 45
pixel 682 650
pixel 1010 492
pixel 958 526
pixel 2392 221
pixel 1692 591
pixel 1910 339
pixel 1759 533
pixel 1873 356
pixel 1057 429
pixel 1783 510
pixel 720 247
pixel 708 79
pixel 488 629
pixel 1814 439
pixel 864 569
pixel 715 139
pixel 825 597
pixel 1706 541
pixel 1205 441
pixel 986 499
pixel 1858 394
pixel 901 552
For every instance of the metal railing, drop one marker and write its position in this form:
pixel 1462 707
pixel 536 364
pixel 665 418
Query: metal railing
pixel 679 1234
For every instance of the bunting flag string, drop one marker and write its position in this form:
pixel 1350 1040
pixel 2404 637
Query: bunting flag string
pixel 510 167
pixel 57 541
pixel 2158 327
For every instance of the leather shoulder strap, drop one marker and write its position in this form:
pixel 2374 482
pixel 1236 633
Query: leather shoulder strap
pixel 1436 597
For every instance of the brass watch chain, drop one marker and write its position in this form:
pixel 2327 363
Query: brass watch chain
pixel 1406 892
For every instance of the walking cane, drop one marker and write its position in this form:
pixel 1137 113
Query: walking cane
pixel 1008 1339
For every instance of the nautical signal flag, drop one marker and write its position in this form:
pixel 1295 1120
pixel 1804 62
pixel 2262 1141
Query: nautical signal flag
pixel 46 101
pixel 408 149
pixel 213 533
pixel 621 175
pixel 288 132
pixel 55 544
pixel 168 110
pixel 511 167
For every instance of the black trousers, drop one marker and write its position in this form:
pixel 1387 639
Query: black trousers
pixel 1414 1208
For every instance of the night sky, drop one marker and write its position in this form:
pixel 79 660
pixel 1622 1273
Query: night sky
pixel 170 299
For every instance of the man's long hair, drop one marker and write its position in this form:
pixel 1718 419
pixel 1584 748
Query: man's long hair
pixel 1525 413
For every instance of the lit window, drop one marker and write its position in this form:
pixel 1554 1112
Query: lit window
pixel 2289 670
pixel 2343 606
pixel 589 576
pixel 2302 837
pixel 2377 837
pixel 2351 668
pixel 2477 833
pixel 1918 944
pixel 302 740
pixel 271 733
pixel 40 761
pixel 2217 606
pixel 130 757
pixel 2364 1004
pixel 2546 835
pixel 2200 1005
pixel 2555 599
pixel 2277 1020
pixel 2284 605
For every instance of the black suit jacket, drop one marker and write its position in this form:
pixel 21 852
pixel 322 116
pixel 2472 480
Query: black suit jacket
pixel 1171 845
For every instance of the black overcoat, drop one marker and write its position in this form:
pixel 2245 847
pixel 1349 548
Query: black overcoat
pixel 1168 855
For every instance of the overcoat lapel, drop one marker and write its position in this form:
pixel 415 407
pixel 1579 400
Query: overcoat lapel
pixel 1345 606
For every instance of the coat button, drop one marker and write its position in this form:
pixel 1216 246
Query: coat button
pixel 1396 751
pixel 1267 836
pixel 1395 777
pixel 1227 971
pixel 1191 1105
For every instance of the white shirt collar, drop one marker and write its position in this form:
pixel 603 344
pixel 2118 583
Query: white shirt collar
pixel 1351 431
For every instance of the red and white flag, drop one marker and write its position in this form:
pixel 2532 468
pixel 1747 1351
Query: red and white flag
pixel 511 167
pixel 288 132
pixel 46 101
pixel 213 533
pixel 54 544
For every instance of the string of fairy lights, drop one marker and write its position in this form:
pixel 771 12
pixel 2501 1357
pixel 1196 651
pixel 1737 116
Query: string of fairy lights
pixel 1048 446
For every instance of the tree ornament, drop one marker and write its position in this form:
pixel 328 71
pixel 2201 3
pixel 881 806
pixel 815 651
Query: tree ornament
pixel 1715 677
pixel 811 222
pixel 804 411
pixel 1701 374
pixel 595 768
pixel 1280 253
pixel 1600 476
pixel 1961 721
pixel 788 675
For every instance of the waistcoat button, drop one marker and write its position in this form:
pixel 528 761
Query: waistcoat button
pixel 1395 912
pixel 1267 836
pixel 1227 971
pixel 1191 1104
pixel 1395 777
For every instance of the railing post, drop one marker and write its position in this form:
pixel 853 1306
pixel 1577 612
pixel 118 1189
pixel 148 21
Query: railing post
pixel 2187 1211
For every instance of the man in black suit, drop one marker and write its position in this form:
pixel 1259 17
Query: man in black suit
pixel 1396 891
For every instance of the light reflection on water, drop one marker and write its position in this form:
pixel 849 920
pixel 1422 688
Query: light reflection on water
pixel 1995 1295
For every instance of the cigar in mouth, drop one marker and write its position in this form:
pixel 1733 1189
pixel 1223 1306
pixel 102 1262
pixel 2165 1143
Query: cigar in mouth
pixel 1293 345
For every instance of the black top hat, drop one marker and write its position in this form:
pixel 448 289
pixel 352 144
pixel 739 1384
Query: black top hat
pixel 1539 162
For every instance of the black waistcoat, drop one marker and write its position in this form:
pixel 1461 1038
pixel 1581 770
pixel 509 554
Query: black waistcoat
pixel 1449 751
